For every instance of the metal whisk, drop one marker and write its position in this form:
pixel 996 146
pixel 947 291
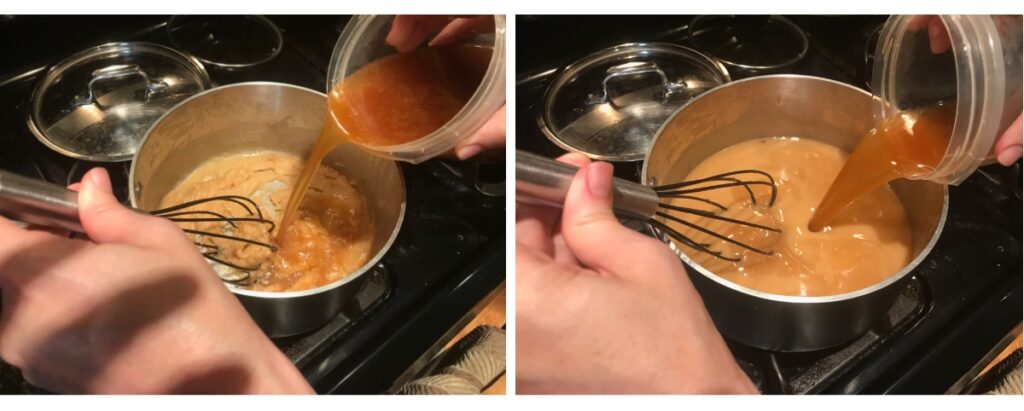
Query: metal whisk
pixel 187 213
pixel 49 205
pixel 544 181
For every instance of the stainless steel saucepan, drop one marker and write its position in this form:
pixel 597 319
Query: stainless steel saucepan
pixel 268 117
pixel 810 108
pixel 767 106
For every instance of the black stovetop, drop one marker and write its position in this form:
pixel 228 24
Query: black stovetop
pixel 960 302
pixel 449 256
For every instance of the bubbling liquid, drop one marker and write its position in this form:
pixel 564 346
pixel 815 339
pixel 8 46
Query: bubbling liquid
pixel 331 237
pixel 909 145
pixel 395 100
pixel 865 243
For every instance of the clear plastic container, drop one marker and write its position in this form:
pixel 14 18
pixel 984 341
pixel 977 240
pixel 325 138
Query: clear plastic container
pixel 362 42
pixel 981 71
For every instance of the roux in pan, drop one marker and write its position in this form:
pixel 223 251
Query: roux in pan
pixel 865 243
pixel 330 239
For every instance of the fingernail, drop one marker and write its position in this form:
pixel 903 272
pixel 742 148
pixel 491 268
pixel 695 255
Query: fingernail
pixel 599 179
pixel 933 35
pixel 99 178
pixel 399 33
pixel 468 151
pixel 1010 155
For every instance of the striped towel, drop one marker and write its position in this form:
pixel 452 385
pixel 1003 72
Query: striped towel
pixel 480 361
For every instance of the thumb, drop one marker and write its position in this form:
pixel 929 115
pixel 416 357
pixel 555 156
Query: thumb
pixel 1008 148
pixel 491 135
pixel 594 234
pixel 106 221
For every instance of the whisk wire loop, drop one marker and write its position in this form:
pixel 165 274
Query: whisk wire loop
pixel 687 189
pixel 192 212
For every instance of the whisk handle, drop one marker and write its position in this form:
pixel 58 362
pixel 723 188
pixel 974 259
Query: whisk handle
pixel 38 202
pixel 544 181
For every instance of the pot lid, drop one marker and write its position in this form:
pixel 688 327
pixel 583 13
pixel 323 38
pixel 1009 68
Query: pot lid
pixel 226 41
pixel 98 104
pixel 750 43
pixel 610 104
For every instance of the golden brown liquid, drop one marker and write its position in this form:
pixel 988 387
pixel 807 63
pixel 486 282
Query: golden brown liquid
pixel 331 237
pixel 395 100
pixel 909 145
pixel 867 242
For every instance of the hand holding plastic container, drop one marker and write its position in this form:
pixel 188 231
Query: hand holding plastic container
pixel 410 105
pixel 368 40
pixel 945 94
pixel 971 61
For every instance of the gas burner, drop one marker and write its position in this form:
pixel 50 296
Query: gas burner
pixel 485 172
pixel 227 42
pixel 13 158
pixel 118 176
pixel 303 348
pixel 811 372
pixel 749 44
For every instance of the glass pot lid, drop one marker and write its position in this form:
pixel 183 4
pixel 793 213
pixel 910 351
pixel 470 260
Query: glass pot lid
pixel 98 104
pixel 610 104
pixel 226 41
pixel 749 43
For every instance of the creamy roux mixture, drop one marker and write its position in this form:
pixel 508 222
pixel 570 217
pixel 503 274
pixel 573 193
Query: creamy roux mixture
pixel 330 239
pixel 867 242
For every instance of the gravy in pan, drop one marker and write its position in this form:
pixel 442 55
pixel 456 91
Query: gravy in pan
pixel 864 243
pixel 330 238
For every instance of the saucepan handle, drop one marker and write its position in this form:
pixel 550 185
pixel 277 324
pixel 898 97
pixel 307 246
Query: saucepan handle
pixel 544 181
pixel 38 202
